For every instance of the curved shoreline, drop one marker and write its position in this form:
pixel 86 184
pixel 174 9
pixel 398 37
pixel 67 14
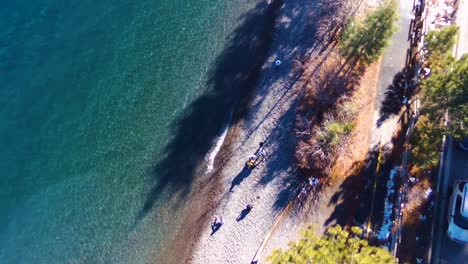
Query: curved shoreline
pixel 267 114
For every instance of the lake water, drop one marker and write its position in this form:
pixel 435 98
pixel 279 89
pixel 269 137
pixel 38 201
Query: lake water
pixel 90 95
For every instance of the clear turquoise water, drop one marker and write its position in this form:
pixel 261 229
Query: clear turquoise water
pixel 89 90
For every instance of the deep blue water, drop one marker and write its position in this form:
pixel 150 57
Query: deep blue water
pixel 89 90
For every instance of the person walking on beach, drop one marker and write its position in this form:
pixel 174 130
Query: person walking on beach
pixel 261 150
pixel 262 153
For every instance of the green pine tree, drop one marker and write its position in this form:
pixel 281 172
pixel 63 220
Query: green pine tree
pixel 337 246
pixel 439 44
pixel 447 89
pixel 366 40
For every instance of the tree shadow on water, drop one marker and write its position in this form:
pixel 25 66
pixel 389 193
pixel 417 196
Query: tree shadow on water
pixel 233 74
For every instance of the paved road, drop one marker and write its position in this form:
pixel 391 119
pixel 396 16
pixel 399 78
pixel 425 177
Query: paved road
pixel 376 174
pixel 393 62
pixel 445 250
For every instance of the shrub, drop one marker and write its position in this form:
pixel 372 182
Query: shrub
pixel 366 40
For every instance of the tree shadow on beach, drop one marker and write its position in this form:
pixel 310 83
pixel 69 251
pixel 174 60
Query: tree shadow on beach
pixel 353 200
pixel 230 86
pixel 332 84
pixel 354 193
pixel 279 145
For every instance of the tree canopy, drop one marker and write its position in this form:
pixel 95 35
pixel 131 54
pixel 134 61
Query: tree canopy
pixel 439 44
pixel 367 39
pixel 447 88
pixel 336 246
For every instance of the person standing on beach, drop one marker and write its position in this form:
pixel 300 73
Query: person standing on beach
pixel 261 151
pixel 218 222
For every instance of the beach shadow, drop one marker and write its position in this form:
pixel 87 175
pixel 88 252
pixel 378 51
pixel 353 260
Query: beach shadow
pixel 230 86
pixel 240 177
pixel 215 228
pixel 243 214
pixel 281 138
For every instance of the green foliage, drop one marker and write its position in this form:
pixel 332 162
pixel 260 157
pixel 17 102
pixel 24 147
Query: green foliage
pixel 335 247
pixel 439 45
pixel 337 126
pixel 366 40
pixel 333 132
pixel 426 139
pixel 447 89
pixel 347 110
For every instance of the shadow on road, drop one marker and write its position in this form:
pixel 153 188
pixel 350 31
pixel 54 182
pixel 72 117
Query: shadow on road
pixel 354 194
pixel 367 182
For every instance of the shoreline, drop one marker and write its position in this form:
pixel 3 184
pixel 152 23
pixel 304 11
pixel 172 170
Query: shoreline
pixel 268 115
pixel 206 192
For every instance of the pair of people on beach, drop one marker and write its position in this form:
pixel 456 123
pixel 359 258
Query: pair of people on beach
pixel 218 222
pixel 260 153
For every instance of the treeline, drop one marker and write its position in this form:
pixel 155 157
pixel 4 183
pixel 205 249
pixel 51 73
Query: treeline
pixel 444 95
pixel 335 246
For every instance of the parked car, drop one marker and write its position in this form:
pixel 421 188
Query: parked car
pixel 458 213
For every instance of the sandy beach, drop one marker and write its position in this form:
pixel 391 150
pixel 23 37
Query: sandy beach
pixel 268 117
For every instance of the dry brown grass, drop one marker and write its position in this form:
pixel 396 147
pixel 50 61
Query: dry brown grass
pixel 330 80
pixel 358 146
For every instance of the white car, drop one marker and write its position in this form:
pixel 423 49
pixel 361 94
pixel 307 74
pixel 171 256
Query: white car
pixel 458 213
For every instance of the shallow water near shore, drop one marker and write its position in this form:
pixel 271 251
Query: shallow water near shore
pixel 91 93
